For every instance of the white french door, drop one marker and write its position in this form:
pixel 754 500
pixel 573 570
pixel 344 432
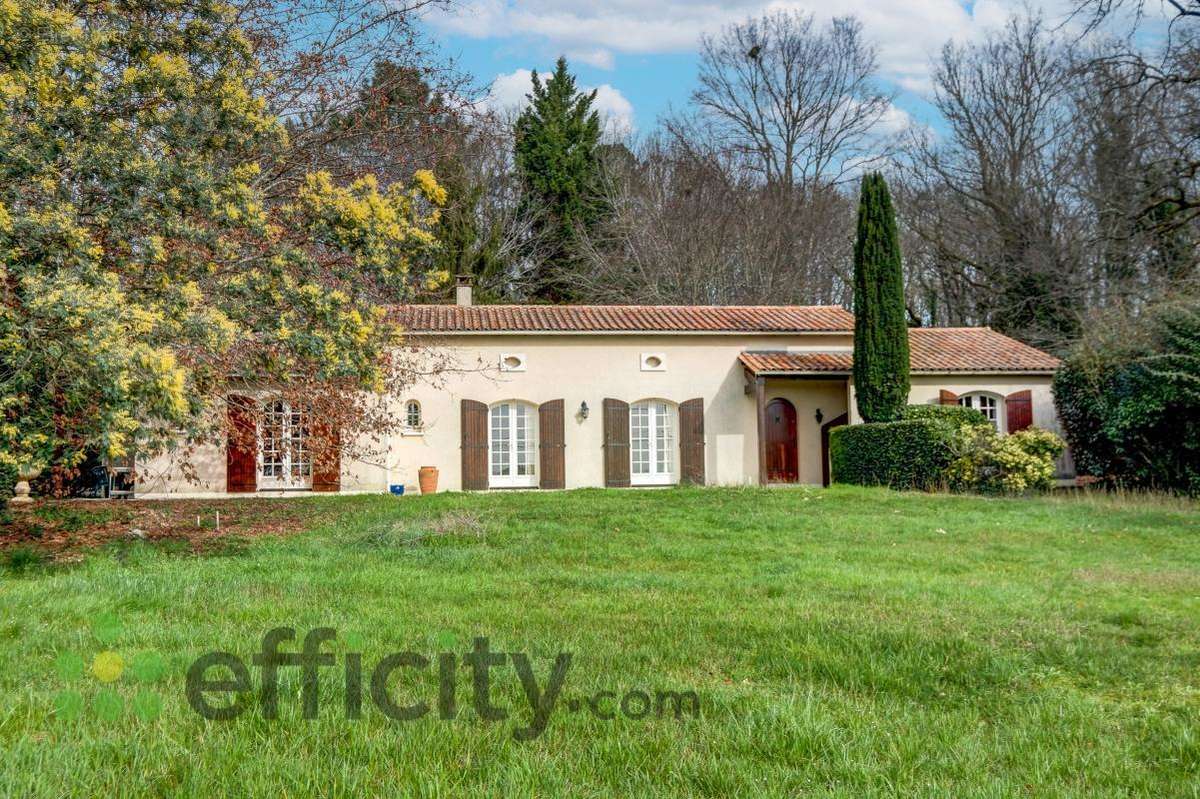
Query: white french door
pixel 653 446
pixel 284 460
pixel 512 445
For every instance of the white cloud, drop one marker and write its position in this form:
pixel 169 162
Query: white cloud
pixel 509 91
pixel 894 120
pixel 909 35
pixel 627 26
pixel 600 57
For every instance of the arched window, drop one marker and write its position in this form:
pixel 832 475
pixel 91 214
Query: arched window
pixel 412 415
pixel 990 405
pixel 512 444
pixel 653 443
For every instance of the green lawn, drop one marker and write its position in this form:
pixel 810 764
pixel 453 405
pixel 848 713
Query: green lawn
pixel 847 642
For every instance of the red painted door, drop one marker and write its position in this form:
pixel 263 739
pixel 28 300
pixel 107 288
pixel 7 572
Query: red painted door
pixel 782 462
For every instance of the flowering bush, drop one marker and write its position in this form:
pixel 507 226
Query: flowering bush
pixel 1015 463
pixel 153 256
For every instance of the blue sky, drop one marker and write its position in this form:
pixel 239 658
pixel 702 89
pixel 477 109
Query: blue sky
pixel 641 56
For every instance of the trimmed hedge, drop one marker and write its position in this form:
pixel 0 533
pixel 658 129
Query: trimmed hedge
pixel 957 415
pixel 908 454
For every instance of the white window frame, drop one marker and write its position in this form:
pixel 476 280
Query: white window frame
pixel 661 443
pixel 653 361
pixel 972 400
pixel 512 411
pixel 294 466
pixel 519 366
pixel 409 427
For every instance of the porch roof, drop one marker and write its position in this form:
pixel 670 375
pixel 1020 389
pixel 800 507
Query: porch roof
pixel 936 350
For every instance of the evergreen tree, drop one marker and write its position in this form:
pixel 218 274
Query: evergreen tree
pixel 557 140
pixel 880 333
pixel 470 243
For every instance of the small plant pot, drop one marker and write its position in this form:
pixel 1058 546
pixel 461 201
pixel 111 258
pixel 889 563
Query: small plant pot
pixel 427 478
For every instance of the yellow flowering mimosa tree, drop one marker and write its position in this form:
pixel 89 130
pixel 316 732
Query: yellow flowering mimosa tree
pixel 151 261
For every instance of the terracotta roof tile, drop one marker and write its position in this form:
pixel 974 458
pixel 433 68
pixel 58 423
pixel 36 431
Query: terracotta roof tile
pixel 624 318
pixel 932 349
pixel 758 362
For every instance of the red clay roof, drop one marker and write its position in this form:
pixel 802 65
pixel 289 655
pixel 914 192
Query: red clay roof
pixel 931 349
pixel 760 362
pixel 624 318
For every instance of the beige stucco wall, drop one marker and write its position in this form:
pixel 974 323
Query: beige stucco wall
pixel 168 473
pixel 574 368
pixel 926 388
pixel 589 368
pixel 580 369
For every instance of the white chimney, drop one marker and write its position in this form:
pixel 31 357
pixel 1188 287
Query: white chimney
pixel 462 292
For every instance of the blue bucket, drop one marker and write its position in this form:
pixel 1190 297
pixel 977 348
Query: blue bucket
pixel 396 490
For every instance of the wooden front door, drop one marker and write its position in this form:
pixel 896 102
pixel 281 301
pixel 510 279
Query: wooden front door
pixel 782 462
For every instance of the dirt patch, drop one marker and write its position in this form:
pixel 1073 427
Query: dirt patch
pixel 1175 580
pixel 62 528
pixel 451 527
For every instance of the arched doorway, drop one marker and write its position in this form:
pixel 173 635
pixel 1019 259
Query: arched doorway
pixel 782 461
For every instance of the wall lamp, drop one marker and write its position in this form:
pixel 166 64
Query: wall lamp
pixel 819 416
pixel 583 410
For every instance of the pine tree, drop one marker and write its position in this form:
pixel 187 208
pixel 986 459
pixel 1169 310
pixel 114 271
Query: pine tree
pixel 557 139
pixel 470 243
pixel 880 330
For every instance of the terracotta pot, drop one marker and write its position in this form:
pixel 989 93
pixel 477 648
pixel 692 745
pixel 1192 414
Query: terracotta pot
pixel 427 477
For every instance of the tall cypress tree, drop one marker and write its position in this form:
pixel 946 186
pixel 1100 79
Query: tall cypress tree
pixel 880 329
pixel 556 150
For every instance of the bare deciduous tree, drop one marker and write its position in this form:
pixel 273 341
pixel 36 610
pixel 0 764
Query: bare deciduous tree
pixel 1167 82
pixel 691 226
pixel 1043 198
pixel 356 85
pixel 1002 207
pixel 797 102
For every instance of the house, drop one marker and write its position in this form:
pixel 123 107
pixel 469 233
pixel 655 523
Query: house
pixel 570 396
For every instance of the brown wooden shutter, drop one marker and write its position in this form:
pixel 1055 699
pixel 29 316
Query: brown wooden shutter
pixel 552 443
pixel 474 445
pixel 326 444
pixel 691 442
pixel 616 443
pixel 241 446
pixel 947 397
pixel 1019 409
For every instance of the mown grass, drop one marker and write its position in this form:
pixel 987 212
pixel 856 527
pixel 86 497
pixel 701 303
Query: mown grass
pixel 848 642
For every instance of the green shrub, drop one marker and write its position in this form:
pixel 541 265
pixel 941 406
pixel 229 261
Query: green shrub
pixel 8 479
pixel 907 454
pixel 959 416
pixel 1129 398
pixel 21 559
pixel 1012 464
pixel 948 446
